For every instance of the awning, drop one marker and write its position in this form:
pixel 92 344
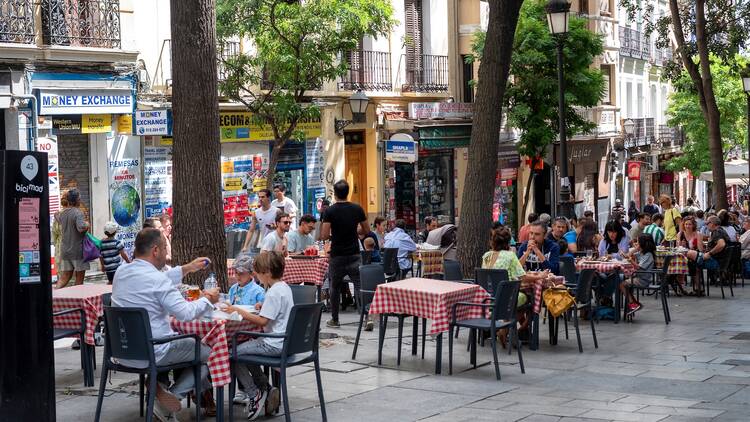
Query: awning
pixel 445 137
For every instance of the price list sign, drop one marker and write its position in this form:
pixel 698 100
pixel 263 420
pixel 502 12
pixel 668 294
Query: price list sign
pixel 29 264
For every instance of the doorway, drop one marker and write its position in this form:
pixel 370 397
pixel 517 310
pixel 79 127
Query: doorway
pixel 73 153
pixel 356 167
pixel 543 191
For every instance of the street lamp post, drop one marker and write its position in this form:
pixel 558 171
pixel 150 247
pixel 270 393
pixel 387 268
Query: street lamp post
pixel 358 103
pixel 746 86
pixel 558 16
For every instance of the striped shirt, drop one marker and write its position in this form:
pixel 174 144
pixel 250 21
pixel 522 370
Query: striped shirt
pixel 656 232
pixel 111 254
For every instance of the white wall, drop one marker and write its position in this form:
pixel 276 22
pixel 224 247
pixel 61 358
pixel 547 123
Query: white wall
pixel 435 23
pixel 153 27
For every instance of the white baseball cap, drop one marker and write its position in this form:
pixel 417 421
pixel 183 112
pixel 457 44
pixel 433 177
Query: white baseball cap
pixel 110 227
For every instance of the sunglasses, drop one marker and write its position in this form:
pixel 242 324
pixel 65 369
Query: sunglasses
pixel 286 222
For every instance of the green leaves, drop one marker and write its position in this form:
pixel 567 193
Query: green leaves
pixel 684 110
pixel 294 47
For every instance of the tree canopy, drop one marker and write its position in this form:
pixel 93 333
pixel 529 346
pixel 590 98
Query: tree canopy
pixel 684 111
pixel 295 47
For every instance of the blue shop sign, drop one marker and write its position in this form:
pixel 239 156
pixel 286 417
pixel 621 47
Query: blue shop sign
pixel 401 151
pixel 85 101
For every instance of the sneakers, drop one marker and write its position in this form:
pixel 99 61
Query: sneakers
pixel 333 323
pixel 273 401
pixel 368 325
pixel 257 403
pixel 634 307
pixel 241 397
pixel 167 399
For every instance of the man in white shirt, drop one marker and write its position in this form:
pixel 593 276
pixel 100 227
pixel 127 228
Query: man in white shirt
pixel 264 220
pixel 398 238
pixel 142 284
pixel 285 204
pixel 276 240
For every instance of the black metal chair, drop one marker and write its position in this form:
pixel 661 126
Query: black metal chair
pixel 490 279
pixel 391 268
pixel 370 277
pixel 584 300
pixel 79 332
pixel 128 337
pixel 568 270
pixel 300 347
pixel 502 315
pixel 659 284
pixel 302 294
pixel 106 301
pixel 452 271
pixel 366 257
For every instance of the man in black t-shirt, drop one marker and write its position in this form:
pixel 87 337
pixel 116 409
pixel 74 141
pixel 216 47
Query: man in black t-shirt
pixel 340 223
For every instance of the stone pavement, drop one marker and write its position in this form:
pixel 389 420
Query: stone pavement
pixel 695 369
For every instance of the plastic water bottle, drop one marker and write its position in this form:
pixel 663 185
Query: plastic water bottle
pixel 210 282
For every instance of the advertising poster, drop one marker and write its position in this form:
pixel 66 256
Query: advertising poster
pixel 241 178
pixel 157 180
pixel 29 264
pixel 49 146
pixel 238 126
pixel 124 187
pixel 316 163
pixel 96 123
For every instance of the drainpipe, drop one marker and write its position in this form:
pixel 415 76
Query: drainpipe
pixel 31 144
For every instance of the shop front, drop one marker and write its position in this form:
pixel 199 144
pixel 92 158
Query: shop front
pixel 77 124
pixel 587 161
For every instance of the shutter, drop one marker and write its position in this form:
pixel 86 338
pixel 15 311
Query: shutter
pixel 413 31
pixel 355 63
pixel 73 165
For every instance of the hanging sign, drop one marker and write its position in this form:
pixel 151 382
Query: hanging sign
pixel 152 122
pixel 401 148
pixel 82 101
pixel 634 170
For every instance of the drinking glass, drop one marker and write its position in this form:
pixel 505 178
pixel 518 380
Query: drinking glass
pixel 589 253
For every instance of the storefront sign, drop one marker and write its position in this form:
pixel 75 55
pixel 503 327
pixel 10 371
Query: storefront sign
pixel 401 148
pixel 578 153
pixel 125 187
pixel 125 124
pixel 96 123
pixel 82 101
pixel 238 126
pixel 49 146
pixel 418 111
pixel 634 170
pixel 152 122
pixel 66 125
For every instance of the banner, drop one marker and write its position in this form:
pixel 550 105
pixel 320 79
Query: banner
pixel 634 170
pixel 157 181
pixel 316 162
pixel 238 126
pixel 124 187
pixel 152 122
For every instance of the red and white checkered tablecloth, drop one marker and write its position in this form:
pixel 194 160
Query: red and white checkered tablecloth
pixel 607 266
pixel 432 261
pixel 215 334
pixel 678 265
pixel 428 298
pixel 539 286
pixel 298 270
pixel 85 296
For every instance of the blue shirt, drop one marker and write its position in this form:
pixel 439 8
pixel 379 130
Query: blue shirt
pixel 249 294
pixel 623 246
pixel 551 252
pixel 570 237
pixel 398 238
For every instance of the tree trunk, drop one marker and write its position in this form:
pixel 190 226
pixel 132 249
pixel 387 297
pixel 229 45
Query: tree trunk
pixel 713 116
pixel 198 206
pixel 278 144
pixel 476 212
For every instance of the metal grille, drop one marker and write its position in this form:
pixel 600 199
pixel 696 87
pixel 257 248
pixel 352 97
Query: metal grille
pixel 226 51
pixel 17 21
pixel 81 23
pixel 427 74
pixel 634 44
pixel 368 71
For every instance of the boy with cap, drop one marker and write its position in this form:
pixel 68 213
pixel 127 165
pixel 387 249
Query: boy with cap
pixel 112 251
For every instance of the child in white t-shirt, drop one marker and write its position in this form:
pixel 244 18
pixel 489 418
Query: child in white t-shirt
pixel 273 316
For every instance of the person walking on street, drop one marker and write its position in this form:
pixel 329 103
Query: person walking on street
pixel 112 251
pixel 264 220
pixel 650 208
pixel 285 204
pixel 74 228
pixel 340 223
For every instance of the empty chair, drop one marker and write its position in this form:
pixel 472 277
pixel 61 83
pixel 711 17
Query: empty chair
pixel 128 337
pixel 568 270
pixel 302 294
pixel 489 279
pixel 452 271
pixel 370 277
pixel 78 332
pixel 502 315
pixel 300 347
pixel 583 300
pixel 366 257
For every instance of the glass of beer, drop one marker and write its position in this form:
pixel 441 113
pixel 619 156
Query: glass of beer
pixel 194 293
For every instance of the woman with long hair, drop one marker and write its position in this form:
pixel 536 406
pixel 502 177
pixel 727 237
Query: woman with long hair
pixel 644 258
pixel 615 242
pixel 690 238
pixel 587 237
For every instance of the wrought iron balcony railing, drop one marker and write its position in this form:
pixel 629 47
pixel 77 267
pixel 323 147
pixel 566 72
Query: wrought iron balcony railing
pixel 227 50
pixel 643 133
pixel 426 73
pixel 368 71
pixel 17 21
pixel 634 44
pixel 81 23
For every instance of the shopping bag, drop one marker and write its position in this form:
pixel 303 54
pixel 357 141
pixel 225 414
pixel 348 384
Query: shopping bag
pixel 557 301
pixel 90 251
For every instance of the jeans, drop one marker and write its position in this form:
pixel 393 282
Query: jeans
pixel 183 350
pixel 338 268
pixel 710 264
pixel 251 377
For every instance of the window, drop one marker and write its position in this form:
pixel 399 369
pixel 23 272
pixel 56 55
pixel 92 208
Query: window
pixel 466 77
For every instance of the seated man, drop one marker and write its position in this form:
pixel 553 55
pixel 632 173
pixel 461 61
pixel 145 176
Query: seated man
pixel 142 284
pixel 715 249
pixel 302 238
pixel 398 238
pixel 538 253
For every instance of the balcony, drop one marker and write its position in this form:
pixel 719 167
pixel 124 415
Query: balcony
pixel 426 73
pixel 82 23
pixel 227 50
pixel 634 44
pixel 17 21
pixel 643 133
pixel 661 55
pixel 670 137
pixel 367 70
